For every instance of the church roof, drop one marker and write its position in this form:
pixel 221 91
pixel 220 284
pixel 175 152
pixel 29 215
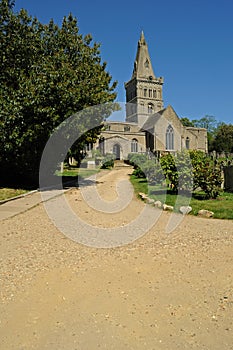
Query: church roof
pixel 170 109
pixel 142 65
pixel 153 118
pixel 151 121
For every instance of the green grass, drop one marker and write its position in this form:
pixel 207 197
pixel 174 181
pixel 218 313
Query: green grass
pixel 222 206
pixel 67 172
pixel 76 171
pixel 140 185
pixel 6 193
pixel 87 172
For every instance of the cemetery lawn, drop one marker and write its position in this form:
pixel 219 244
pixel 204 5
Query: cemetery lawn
pixel 6 193
pixel 72 171
pixel 222 206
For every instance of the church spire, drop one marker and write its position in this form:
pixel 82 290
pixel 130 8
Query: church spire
pixel 143 90
pixel 142 65
pixel 142 38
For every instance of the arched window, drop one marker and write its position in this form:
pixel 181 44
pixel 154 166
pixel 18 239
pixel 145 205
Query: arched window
pixel 134 146
pixel 150 108
pixel 170 138
pixel 187 142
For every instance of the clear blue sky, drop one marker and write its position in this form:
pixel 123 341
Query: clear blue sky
pixel 190 44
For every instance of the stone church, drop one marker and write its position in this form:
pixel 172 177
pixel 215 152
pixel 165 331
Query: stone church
pixel 148 126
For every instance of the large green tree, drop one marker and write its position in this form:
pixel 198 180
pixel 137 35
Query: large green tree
pixel 208 122
pixel 223 141
pixel 186 121
pixel 47 73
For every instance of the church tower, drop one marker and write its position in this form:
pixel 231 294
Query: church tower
pixel 143 90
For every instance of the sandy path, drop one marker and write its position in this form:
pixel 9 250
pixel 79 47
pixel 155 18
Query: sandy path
pixel 160 292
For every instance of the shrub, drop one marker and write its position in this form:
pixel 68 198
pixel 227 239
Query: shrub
pixel 207 174
pixel 137 159
pixel 108 161
pixel 185 171
pixel 153 172
pixel 178 171
pixel 169 168
pixel 139 173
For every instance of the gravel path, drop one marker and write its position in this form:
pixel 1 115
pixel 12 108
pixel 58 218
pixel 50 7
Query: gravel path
pixel 159 292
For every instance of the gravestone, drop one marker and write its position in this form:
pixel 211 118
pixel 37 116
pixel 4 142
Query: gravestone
pixel 228 178
pixel 91 164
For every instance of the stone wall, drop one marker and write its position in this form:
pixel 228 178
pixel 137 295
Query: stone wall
pixel 122 135
pixel 197 137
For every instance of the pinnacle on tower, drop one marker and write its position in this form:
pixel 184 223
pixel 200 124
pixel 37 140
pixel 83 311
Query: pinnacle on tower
pixel 142 65
pixel 143 90
pixel 142 40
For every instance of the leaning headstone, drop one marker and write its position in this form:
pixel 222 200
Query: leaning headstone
pixel 185 209
pixel 205 213
pixel 228 178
